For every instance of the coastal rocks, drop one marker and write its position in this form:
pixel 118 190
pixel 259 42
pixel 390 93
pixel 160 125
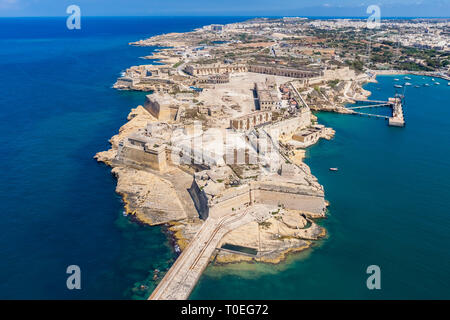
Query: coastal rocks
pixel 138 119
pixel 106 156
pixel 184 231
pixel 151 199
pixel 273 238
pixel 328 133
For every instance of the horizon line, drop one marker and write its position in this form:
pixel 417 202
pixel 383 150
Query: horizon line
pixel 235 16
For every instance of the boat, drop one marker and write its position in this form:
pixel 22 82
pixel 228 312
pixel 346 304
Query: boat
pixel 407 78
pixel 432 79
pixel 426 85
pixel 397 86
pixel 416 86
pixel 407 84
pixel 436 83
pixel 395 79
pixel 334 169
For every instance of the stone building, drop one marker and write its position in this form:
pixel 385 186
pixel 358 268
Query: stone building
pixel 251 120
pixel 162 106
pixel 142 151
pixel 309 135
pixel 285 72
pixel 215 78
pixel 267 94
pixel 210 69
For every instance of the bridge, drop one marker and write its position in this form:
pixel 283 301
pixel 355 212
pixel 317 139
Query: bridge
pixel 371 106
pixel 371 115
pixel 182 277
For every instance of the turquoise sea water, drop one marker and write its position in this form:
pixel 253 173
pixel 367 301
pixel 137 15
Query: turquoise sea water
pixel 388 200
pixel 389 207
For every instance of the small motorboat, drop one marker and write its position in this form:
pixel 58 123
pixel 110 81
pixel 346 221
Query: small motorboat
pixel 426 85
pixel 395 79
pixel 437 83
pixel 407 78
pixel 432 79
pixel 416 86
pixel 407 84
pixel 334 169
pixel 397 86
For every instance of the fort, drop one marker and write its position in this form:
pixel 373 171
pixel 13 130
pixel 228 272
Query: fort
pixel 251 120
pixel 212 152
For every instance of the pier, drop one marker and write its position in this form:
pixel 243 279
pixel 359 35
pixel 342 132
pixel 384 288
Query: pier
pixel 182 277
pixel 396 104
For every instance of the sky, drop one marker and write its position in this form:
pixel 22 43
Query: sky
pixel 389 8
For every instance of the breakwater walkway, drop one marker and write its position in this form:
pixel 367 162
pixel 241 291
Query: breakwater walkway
pixel 397 119
pixel 182 277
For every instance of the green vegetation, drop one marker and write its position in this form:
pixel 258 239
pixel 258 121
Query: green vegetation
pixel 176 65
pixel 333 83
pixel 264 224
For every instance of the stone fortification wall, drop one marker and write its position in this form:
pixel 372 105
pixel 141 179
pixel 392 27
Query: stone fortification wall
pixel 200 200
pixel 161 107
pixel 292 197
pixel 141 158
pixel 289 126
pixel 344 73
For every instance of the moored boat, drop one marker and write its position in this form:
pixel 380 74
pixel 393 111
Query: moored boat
pixel 334 169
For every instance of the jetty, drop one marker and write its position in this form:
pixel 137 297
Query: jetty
pixel 396 104
pixel 182 277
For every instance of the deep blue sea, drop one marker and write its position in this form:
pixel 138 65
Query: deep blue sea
pixel 389 202
pixel 58 204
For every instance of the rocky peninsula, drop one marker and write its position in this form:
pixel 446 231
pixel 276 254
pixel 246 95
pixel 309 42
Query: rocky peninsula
pixel 222 137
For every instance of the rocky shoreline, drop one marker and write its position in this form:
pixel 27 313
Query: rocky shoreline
pixel 160 197
pixel 144 192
